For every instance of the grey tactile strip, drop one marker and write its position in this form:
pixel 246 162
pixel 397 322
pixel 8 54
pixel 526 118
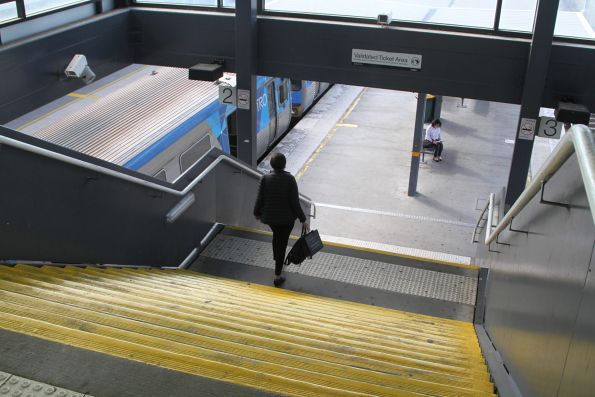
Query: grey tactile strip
pixel 364 272
pixel 16 386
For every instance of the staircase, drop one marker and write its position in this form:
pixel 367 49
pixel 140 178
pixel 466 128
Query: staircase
pixel 255 336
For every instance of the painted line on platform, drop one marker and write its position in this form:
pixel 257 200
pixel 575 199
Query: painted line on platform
pixel 396 215
pixel 329 136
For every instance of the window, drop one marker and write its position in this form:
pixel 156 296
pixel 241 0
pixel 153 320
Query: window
pixel 8 11
pixel 576 19
pixel 518 15
pixel 37 6
pixel 203 3
pixel 469 13
pixel 229 3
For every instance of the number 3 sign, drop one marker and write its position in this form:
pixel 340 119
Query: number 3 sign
pixel 549 128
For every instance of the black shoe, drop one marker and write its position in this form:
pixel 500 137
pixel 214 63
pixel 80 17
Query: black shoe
pixel 278 281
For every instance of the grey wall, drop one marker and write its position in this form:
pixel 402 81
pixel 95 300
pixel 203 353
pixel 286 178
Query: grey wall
pixel 456 64
pixel 540 293
pixel 32 71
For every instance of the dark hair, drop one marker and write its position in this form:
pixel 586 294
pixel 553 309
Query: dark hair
pixel 436 122
pixel 278 161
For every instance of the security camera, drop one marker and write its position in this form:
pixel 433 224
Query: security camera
pixel 78 68
pixel 385 18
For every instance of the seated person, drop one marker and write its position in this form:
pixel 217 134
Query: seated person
pixel 433 139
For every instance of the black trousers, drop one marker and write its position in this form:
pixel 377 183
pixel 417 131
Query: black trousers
pixel 280 239
pixel 436 146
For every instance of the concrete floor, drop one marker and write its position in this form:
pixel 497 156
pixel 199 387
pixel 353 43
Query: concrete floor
pixel 359 178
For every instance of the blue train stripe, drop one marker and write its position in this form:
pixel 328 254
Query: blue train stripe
pixel 172 137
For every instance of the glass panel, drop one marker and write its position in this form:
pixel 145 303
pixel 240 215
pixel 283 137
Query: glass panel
pixel 229 3
pixel 37 6
pixel 451 12
pixel 202 3
pixel 8 11
pixel 576 18
pixel 518 15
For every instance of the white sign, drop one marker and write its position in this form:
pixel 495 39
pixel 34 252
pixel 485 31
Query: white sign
pixel 549 127
pixel 227 95
pixel 527 129
pixel 244 99
pixel 382 58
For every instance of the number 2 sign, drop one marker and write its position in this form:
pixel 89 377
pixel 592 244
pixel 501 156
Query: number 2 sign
pixel 227 95
pixel 549 127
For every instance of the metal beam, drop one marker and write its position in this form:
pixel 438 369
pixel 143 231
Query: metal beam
pixel 246 50
pixel 535 80
pixel 417 143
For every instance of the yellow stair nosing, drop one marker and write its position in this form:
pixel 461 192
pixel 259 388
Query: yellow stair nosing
pixel 78 291
pixel 177 362
pixel 214 302
pixel 466 340
pixel 479 367
pixel 183 337
pixel 428 326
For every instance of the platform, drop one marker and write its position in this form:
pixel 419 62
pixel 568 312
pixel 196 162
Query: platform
pixel 358 174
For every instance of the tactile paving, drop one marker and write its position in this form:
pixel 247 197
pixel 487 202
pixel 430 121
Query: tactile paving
pixel 364 272
pixel 16 386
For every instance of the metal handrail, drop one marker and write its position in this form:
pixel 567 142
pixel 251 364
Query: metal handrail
pixel 489 204
pixel 579 139
pixel 129 178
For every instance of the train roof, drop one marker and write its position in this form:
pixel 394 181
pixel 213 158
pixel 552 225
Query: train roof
pixel 123 123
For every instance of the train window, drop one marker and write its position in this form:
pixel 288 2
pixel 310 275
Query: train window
pixel 283 93
pixel 296 85
pixel 190 156
pixel 161 175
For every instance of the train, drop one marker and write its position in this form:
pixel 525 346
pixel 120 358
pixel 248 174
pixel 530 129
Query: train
pixel 304 93
pixel 160 123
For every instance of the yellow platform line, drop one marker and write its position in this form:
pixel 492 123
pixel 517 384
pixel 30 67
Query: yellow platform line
pixel 93 301
pixel 369 341
pixel 258 321
pixel 280 359
pixel 364 249
pixel 326 140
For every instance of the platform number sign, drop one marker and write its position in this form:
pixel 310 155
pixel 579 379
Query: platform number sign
pixel 227 95
pixel 549 127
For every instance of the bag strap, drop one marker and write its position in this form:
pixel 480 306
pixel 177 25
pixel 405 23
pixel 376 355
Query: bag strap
pixel 303 229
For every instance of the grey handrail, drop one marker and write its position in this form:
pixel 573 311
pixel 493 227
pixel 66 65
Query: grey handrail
pixel 489 205
pixel 106 171
pixel 579 139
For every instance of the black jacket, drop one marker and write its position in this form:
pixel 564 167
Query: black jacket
pixel 278 202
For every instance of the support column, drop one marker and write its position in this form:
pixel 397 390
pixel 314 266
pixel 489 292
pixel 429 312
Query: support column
pixel 417 143
pixel 537 67
pixel 246 63
pixel 438 107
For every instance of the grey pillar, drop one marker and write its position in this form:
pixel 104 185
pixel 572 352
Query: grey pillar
pixel 438 107
pixel 246 62
pixel 537 67
pixel 417 143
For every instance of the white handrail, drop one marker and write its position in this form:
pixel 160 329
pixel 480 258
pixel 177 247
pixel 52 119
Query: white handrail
pixel 579 139
pixel 106 171
pixel 489 203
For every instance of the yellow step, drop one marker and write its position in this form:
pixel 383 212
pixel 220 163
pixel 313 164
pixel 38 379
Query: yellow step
pixel 257 336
